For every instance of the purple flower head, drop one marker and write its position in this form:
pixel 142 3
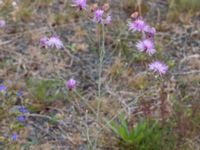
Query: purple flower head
pixel 108 20
pixel 146 46
pixel 158 67
pixel 70 84
pixel 2 88
pixel 22 109
pixel 43 42
pixel 150 31
pixel 14 137
pixel 81 4
pixel 54 41
pixel 20 118
pixel 137 25
pixel 98 14
pixel 2 23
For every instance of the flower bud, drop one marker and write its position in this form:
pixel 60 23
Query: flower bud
pixel 106 7
pixel 134 15
pixel 70 84
pixel 94 7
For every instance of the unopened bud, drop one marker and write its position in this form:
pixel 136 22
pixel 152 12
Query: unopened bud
pixel 106 7
pixel 94 7
pixel 135 15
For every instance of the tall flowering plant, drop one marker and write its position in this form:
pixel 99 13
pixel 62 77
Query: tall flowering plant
pixel 102 17
pixel 146 44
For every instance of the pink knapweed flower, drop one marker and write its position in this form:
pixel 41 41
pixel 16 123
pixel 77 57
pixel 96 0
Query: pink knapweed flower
pixel 81 4
pixel 43 42
pixel 54 41
pixel 2 23
pixel 70 84
pixel 108 20
pixel 158 67
pixel 150 31
pixel 146 46
pixel 98 14
pixel 136 25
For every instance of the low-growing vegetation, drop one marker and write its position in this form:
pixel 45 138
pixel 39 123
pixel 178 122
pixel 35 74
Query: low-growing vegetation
pixel 99 75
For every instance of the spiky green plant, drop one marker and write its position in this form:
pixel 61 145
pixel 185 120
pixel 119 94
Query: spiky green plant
pixel 145 135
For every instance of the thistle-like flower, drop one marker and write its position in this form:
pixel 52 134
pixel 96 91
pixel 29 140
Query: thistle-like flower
pixel 146 46
pixel 137 25
pixel 54 41
pixel 98 16
pixel 70 84
pixel 158 67
pixel 150 31
pixel 43 42
pixel 108 20
pixel 81 4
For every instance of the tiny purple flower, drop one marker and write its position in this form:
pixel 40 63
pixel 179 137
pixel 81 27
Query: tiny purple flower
pixel 2 23
pixel 20 118
pixel 43 42
pixel 158 67
pixel 146 46
pixel 14 137
pixel 137 25
pixel 98 14
pixel 54 41
pixel 2 88
pixel 108 20
pixel 70 84
pixel 22 109
pixel 81 4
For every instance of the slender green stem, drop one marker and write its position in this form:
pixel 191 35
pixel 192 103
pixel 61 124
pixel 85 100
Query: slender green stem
pixel 101 57
pixel 85 101
pixel 87 131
